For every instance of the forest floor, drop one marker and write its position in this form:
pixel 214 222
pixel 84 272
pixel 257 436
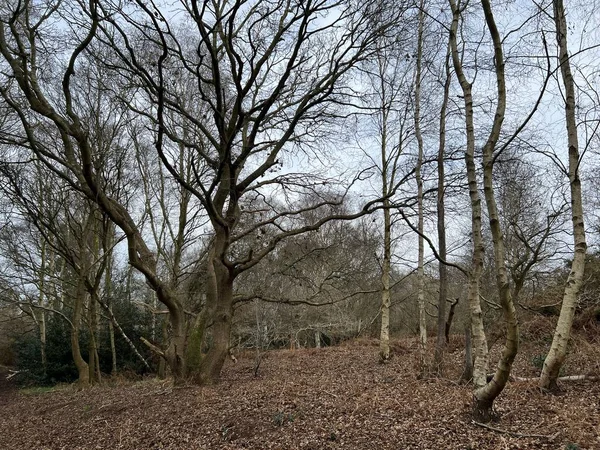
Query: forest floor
pixel 329 398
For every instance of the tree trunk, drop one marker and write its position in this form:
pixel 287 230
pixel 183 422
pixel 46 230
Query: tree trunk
pixel 113 348
pixel 175 353
pixel 480 366
pixel 467 374
pixel 80 364
pixel 212 363
pixel 441 227
pixel 42 326
pixel 218 313
pixel 384 336
pixel 421 244
pixel 558 351
pixel 42 320
pixel 92 350
pixel 109 301
pixel 450 319
pixel 485 395
pixel 162 366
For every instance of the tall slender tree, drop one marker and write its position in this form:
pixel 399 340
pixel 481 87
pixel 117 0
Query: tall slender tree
pixel 558 350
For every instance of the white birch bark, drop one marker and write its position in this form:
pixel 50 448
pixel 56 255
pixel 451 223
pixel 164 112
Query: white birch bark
pixel 486 395
pixel 480 349
pixel 418 135
pixel 558 351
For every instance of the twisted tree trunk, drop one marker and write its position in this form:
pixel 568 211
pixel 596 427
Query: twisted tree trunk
pixel 485 395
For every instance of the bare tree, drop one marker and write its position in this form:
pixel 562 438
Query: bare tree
pixel 391 80
pixel 480 365
pixel 264 74
pixel 419 179
pixel 558 350
pixel 441 221
pixel 54 126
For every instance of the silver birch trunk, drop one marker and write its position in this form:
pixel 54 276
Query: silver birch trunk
pixel 418 135
pixel 558 350
pixel 384 338
pixel 485 396
pixel 113 348
pixel 480 348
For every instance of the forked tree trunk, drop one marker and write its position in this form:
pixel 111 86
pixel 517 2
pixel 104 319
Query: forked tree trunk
pixel 486 393
pixel 558 351
pixel 480 365
pixel 217 314
pixel 212 362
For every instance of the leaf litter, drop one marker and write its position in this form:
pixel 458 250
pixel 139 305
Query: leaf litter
pixel 329 398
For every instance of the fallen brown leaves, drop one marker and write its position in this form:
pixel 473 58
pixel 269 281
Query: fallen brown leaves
pixel 331 398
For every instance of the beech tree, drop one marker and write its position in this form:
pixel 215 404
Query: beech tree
pixel 50 121
pixel 242 94
pixel 265 78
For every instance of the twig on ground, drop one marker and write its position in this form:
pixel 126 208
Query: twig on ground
pixel 549 437
pixel 169 390
pixel 565 378
pixel 329 393
pixel 14 373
